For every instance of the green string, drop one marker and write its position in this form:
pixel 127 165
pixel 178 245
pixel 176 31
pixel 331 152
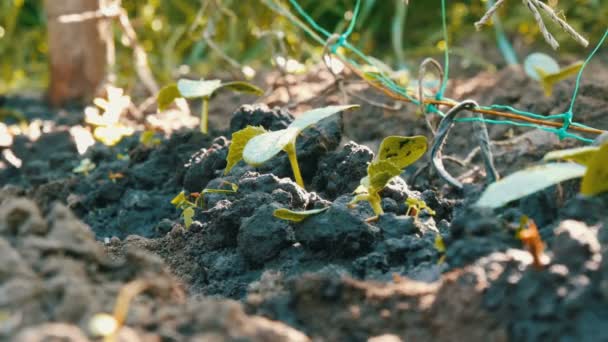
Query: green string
pixel 566 117
pixel 505 47
pixel 580 72
pixel 446 53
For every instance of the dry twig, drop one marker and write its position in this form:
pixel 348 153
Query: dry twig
pixel 535 6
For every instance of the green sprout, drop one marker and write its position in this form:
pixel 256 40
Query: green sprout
pixel 149 139
pixel 85 166
pixel 415 206
pixel 395 154
pixel 256 146
pixel 440 248
pixel 204 89
pixel 183 202
pixel 588 162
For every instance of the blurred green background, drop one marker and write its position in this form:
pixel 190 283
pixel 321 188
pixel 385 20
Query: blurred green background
pixel 246 31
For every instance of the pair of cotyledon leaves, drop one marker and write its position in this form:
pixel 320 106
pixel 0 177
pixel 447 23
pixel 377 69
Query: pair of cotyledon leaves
pixel 191 89
pixel 590 163
pixel 394 155
pixel 256 146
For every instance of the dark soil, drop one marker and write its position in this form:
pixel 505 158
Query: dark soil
pixel 70 241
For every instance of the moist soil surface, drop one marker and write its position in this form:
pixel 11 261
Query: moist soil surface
pixel 70 242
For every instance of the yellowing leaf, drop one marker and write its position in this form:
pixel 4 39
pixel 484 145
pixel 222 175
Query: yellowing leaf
pixel 595 180
pixel 380 172
pixel 311 117
pixel 439 244
pixel 148 138
pixel 179 199
pixel 528 181
pixel 402 151
pixel 239 141
pixel 188 215
pixel 166 96
pixel 581 155
pixel 296 216
pixel 265 146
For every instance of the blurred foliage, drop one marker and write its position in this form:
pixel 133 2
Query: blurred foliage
pixel 249 33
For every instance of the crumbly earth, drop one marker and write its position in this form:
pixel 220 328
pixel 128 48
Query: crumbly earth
pixel 70 242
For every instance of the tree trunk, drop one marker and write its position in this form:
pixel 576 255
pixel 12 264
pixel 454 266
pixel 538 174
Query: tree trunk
pixel 77 51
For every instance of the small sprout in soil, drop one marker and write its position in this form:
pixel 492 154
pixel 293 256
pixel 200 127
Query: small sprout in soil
pixel 85 166
pixel 113 176
pixel 545 69
pixel 149 139
pixel 440 247
pixel 415 206
pixel 183 202
pixel 108 129
pixel 590 164
pixel 532 241
pixel 122 156
pixel 395 154
pixel 256 146
pixel 296 216
pixel 106 325
pixel 204 89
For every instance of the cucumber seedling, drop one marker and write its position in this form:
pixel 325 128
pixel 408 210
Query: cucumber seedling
pixel 395 154
pixel 184 203
pixel 256 146
pixel 415 206
pixel 204 89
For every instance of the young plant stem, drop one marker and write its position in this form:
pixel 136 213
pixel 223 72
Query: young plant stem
pixel 293 160
pixel 376 202
pixel 205 115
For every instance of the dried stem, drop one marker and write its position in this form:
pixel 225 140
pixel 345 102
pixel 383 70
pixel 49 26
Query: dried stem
pixel 534 6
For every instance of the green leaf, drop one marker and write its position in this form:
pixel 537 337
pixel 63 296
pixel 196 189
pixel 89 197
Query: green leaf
pixel 239 141
pixel 166 96
pixel 439 244
pixel 581 155
pixel 296 216
pixel 188 215
pixel 380 172
pixel 243 87
pixel 595 180
pixel 528 181
pixel 402 151
pixel 179 199
pixel 313 116
pixel 265 146
pixel 194 89
pixel 84 167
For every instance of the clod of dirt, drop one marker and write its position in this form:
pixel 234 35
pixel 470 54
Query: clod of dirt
pixel 574 244
pixel 205 165
pixel 262 236
pixel 260 115
pixel 53 270
pixel 340 171
pixel 474 233
pixel 225 215
pixel 337 231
